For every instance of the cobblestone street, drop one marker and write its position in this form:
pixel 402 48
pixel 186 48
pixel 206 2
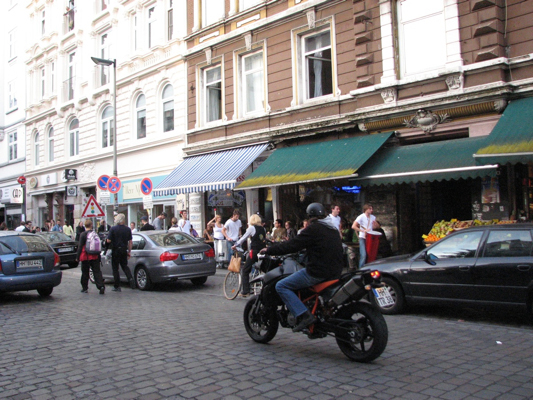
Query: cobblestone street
pixel 182 341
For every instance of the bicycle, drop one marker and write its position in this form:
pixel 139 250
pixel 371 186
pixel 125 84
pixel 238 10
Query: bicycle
pixel 233 282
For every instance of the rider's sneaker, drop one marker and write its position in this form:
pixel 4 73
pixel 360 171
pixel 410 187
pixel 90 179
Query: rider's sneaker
pixel 306 319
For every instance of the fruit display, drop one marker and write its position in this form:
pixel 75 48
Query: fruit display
pixel 442 228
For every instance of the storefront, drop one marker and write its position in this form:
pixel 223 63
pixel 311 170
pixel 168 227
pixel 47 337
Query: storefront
pixel 11 204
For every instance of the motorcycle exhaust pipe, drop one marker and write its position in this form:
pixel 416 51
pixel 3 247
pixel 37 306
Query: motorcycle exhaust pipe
pixel 349 289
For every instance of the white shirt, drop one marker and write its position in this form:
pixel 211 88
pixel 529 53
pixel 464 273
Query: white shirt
pixel 185 226
pixel 217 232
pixel 336 221
pixel 365 223
pixel 20 228
pixel 233 228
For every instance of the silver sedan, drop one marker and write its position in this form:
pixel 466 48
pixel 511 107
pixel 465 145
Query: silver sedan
pixel 162 256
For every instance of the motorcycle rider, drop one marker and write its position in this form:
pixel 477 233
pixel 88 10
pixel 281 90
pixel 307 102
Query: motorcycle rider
pixel 325 262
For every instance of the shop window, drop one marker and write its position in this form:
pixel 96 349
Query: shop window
pixel 51 144
pixel 108 127
pixel 141 116
pixel 168 108
pixel 74 137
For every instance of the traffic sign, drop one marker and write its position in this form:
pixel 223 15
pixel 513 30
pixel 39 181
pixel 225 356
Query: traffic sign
pixel 105 197
pixel 114 184
pixel 148 202
pixel 21 180
pixel 92 209
pixel 102 182
pixel 146 186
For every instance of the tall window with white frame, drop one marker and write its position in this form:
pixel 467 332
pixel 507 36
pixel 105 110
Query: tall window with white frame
pixel 12 143
pixel 170 20
pixel 12 44
pixel 74 137
pixel 105 53
pixel 42 89
pixel 212 80
pixel 253 83
pixel 317 64
pixel 212 11
pixel 108 127
pixel 11 88
pixel 167 97
pixel 71 70
pixel 419 53
pixel 51 144
pixel 244 4
pixel 135 28
pixel 151 26
pixel 52 77
pixel 43 22
pixel 36 149
pixel 141 116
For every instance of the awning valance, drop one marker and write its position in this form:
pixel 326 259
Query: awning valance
pixel 511 140
pixel 315 162
pixel 212 171
pixel 444 160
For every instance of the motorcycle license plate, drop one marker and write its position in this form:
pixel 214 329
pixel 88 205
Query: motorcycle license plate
pixel 383 296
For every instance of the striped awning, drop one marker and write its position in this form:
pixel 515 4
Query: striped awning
pixel 212 171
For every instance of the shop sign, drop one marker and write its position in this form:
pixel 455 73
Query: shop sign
pixel 131 190
pixel 226 198
pixel 181 202
pixel 17 195
pixel 69 175
pixel 49 179
pixel 6 194
pixel 71 191
pixel 33 182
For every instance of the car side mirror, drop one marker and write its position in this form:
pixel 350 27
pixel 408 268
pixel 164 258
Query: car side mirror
pixel 430 258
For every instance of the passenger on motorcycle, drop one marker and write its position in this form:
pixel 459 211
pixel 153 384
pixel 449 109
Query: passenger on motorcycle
pixel 325 262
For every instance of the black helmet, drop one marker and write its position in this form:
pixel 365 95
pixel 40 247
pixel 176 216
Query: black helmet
pixel 316 210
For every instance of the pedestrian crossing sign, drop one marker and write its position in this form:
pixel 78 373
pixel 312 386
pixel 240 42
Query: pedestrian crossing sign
pixel 92 209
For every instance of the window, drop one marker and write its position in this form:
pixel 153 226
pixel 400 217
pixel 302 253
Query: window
pixel 212 11
pixel 36 149
pixel 151 26
pixel 253 83
pixel 71 68
pixel 105 54
pixel 70 15
pixel 103 4
pixel 170 20
pixel 51 144
pixel 12 44
pixel 74 137
pixel 421 52
pixel 244 4
pixel 212 79
pixel 168 108
pixel 12 143
pixel 53 77
pixel 12 95
pixel 141 117
pixel 108 127
pixel 43 22
pixel 459 246
pixel 43 82
pixel 317 69
pixel 510 243
pixel 135 33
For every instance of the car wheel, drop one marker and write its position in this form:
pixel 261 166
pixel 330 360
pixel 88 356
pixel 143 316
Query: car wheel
pixel 199 281
pixel 45 292
pixel 73 264
pixel 142 278
pixel 396 292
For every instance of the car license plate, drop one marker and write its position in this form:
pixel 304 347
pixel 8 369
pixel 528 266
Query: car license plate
pixel 64 249
pixel 383 296
pixel 195 256
pixel 30 264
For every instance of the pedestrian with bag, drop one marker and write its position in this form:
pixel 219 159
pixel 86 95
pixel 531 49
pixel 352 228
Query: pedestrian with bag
pixel 89 254
pixel 120 238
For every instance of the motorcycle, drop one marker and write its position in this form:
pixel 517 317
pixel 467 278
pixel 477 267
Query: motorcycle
pixel 338 306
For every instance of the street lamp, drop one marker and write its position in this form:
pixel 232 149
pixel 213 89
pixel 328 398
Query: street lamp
pixel 108 63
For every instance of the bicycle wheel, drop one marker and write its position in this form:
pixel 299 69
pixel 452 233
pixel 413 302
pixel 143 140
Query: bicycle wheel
pixel 232 285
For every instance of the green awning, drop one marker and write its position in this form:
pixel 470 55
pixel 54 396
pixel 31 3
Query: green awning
pixel 315 162
pixel 511 140
pixel 437 161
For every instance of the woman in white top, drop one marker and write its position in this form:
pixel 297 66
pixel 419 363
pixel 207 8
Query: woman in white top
pixel 217 228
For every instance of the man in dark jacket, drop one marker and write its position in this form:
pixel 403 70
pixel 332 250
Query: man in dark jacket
pixel 120 239
pixel 325 262
pixel 146 226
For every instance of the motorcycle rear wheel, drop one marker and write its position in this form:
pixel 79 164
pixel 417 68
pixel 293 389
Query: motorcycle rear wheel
pixel 262 325
pixel 366 332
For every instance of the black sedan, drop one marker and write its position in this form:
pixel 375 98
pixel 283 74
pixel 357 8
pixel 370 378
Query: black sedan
pixel 478 266
pixel 64 246
pixel 161 256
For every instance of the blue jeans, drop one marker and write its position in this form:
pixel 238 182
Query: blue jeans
pixel 286 289
pixel 362 252
pixel 230 244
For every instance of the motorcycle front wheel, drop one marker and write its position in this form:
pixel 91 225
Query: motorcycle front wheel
pixel 261 323
pixel 363 336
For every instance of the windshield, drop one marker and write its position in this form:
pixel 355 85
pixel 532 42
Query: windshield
pixel 172 239
pixel 23 244
pixel 54 237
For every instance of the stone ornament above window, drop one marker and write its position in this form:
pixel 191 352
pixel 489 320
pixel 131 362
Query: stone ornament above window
pixel 389 95
pixel 426 120
pixel 454 82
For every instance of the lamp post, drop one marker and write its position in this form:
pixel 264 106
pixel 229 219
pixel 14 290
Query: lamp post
pixel 107 63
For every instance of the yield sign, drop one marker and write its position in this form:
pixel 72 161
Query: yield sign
pixel 92 209
pixel 114 184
